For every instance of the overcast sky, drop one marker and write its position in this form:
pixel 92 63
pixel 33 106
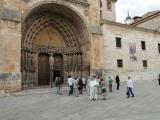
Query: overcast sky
pixel 136 8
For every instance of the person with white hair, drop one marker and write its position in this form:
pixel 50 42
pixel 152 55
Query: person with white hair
pixel 88 84
pixel 75 87
pixel 93 89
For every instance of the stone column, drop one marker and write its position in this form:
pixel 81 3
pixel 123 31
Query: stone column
pixel 51 63
pixel 67 66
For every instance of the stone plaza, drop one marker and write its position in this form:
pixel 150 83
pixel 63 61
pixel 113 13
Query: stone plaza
pixel 46 105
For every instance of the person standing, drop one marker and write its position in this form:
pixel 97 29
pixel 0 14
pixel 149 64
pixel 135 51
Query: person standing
pixel 99 84
pixel 117 81
pixel 70 84
pixel 103 89
pixel 80 85
pixel 130 87
pixel 57 84
pixel 93 89
pixel 159 79
pixel 88 84
pixel 110 81
pixel 75 87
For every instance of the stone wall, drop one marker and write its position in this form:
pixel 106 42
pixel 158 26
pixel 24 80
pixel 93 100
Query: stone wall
pixel 10 58
pixel 10 82
pixel 96 60
pixel 108 10
pixel 130 68
pixel 153 24
pixel 12 15
pixel 11 39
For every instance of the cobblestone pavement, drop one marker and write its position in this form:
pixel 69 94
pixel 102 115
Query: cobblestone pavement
pixel 49 106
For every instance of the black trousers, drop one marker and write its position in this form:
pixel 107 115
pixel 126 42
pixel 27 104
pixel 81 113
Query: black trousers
pixel 118 84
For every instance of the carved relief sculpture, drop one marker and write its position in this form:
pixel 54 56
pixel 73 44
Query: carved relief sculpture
pixel 109 5
pixel 51 61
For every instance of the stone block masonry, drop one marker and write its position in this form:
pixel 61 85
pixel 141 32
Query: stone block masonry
pixel 10 82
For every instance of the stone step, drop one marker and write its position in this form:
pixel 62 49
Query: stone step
pixel 31 92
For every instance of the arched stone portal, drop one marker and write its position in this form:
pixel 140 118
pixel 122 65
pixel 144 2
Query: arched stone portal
pixel 54 43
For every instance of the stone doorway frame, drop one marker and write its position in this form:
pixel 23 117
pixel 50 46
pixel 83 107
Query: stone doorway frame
pixel 31 52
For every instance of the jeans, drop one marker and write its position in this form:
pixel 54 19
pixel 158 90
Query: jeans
pixel 130 92
pixel 70 90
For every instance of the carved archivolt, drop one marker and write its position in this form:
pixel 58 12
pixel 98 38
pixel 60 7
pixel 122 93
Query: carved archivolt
pixel 71 37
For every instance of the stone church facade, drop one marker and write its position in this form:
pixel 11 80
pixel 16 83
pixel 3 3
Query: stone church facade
pixel 42 39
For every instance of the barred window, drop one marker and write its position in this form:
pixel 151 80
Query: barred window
pixel 119 63
pixel 118 42
pixel 143 45
pixel 145 63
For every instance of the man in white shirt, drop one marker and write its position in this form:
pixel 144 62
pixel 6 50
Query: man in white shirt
pixel 70 84
pixel 130 87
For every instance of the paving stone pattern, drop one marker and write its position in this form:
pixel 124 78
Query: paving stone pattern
pixel 49 106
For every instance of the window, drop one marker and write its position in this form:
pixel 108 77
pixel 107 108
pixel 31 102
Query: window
pixel 145 63
pixel 143 44
pixel 159 47
pixel 119 63
pixel 118 42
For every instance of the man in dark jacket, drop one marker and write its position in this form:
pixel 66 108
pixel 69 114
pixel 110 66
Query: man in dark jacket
pixel 159 79
pixel 80 85
pixel 117 81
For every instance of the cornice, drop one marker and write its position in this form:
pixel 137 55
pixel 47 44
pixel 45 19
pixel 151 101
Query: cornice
pixel 128 26
pixel 146 19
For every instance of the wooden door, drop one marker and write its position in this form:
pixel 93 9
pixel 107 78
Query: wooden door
pixel 58 66
pixel 43 69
